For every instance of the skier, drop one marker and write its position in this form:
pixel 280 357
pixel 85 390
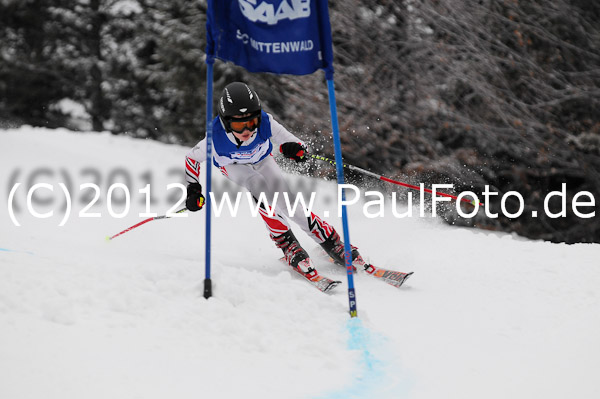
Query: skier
pixel 243 139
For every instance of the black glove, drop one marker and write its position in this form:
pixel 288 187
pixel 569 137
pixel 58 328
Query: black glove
pixel 195 199
pixel 295 151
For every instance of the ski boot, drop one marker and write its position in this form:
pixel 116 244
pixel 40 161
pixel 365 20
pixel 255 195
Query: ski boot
pixel 334 247
pixel 294 254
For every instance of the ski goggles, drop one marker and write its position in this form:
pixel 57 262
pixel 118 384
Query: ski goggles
pixel 239 125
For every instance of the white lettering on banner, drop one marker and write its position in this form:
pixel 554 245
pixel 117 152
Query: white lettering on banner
pixel 276 47
pixel 265 12
pixel 243 37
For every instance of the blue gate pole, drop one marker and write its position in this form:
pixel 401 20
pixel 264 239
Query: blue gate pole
pixel 209 99
pixel 340 179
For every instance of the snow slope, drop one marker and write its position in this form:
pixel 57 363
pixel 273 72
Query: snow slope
pixel 485 315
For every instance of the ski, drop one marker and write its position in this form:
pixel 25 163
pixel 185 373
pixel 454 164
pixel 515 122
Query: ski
pixel 391 277
pixel 322 283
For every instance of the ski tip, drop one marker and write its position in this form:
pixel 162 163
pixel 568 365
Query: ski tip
pixel 405 278
pixel 107 238
pixel 332 285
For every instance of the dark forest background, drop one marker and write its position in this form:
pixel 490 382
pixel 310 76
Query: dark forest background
pixel 472 93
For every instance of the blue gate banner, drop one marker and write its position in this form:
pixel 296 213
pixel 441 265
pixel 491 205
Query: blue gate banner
pixel 278 36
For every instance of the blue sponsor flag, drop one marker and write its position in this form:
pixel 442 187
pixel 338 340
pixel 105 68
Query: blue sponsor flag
pixel 278 36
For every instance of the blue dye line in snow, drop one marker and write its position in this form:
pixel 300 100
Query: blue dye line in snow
pixel 12 250
pixel 373 380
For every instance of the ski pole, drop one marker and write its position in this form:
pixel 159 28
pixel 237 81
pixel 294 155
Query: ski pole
pixel 108 238
pixel 386 179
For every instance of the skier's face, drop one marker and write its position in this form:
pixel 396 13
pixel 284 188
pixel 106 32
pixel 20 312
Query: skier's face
pixel 244 128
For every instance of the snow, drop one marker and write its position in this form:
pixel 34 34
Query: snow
pixel 486 315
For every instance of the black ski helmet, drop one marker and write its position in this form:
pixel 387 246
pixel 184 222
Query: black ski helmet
pixel 238 99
